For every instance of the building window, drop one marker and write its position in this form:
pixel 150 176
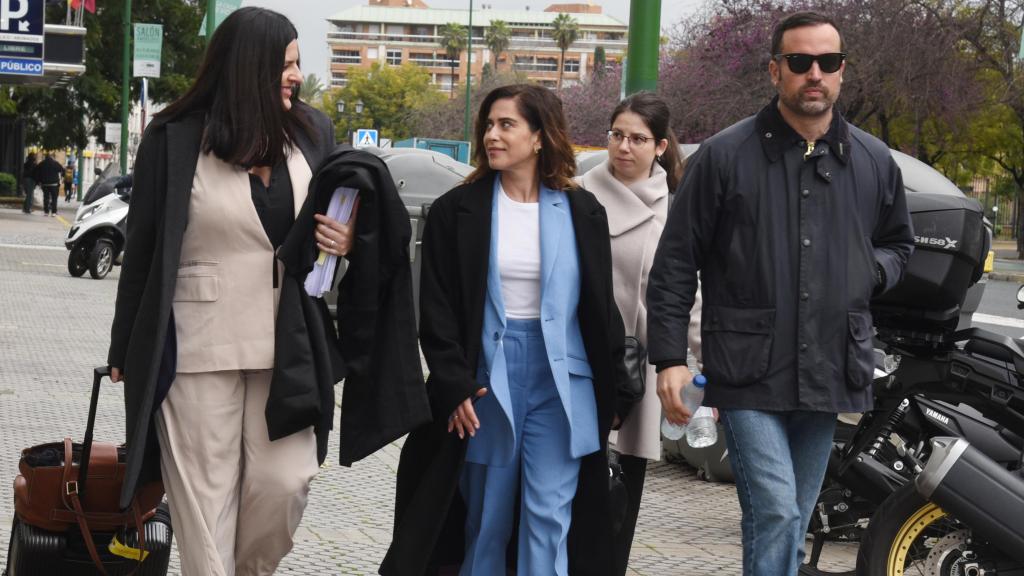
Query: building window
pixel 338 79
pixel 371 53
pixel 571 65
pixel 422 59
pixel 394 57
pixel 346 57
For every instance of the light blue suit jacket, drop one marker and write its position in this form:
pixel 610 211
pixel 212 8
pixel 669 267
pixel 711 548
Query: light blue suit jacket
pixel 494 443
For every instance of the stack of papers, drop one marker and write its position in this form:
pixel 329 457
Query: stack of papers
pixel 321 276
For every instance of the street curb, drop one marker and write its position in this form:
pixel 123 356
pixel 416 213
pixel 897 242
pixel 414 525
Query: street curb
pixel 1007 276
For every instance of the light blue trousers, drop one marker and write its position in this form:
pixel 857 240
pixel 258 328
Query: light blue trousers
pixel 542 470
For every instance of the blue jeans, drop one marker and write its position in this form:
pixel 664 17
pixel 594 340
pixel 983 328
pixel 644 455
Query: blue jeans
pixel 779 460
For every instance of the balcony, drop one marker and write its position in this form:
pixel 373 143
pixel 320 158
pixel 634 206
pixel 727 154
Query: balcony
pixel 516 42
pixel 434 62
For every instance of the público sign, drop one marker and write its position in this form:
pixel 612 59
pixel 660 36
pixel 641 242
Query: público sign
pixel 148 43
pixel 21 37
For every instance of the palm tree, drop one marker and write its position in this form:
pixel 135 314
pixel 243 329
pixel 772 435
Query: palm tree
pixel 311 88
pixel 453 40
pixel 567 31
pixel 498 36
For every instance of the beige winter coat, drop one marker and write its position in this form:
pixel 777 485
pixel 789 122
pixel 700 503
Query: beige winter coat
pixel 636 217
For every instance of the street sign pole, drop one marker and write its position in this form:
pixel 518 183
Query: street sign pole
pixel 644 42
pixel 469 74
pixel 126 28
pixel 211 22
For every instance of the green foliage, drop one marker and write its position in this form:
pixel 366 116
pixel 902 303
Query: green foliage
pixel 498 37
pixel 311 89
pixel 8 107
pixel 8 184
pixel 66 116
pixel 566 31
pixel 390 95
pixel 600 60
pixel 454 39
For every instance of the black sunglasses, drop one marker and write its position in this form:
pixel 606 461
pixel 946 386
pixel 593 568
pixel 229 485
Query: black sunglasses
pixel 800 63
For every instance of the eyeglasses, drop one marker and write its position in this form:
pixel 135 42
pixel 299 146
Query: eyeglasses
pixel 635 140
pixel 800 63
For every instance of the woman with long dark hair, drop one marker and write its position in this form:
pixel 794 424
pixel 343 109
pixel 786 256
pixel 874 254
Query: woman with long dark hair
pixel 524 345
pixel 634 185
pixel 218 181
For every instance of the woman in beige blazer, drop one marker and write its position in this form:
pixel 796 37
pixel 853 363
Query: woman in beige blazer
pixel 219 178
pixel 634 185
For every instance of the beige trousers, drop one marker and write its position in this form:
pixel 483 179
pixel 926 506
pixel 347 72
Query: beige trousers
pixel 236 498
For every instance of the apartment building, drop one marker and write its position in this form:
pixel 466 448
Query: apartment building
pixel 396 31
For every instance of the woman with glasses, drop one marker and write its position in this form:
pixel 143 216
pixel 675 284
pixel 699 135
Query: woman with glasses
pixel 635 186
pixel 524 344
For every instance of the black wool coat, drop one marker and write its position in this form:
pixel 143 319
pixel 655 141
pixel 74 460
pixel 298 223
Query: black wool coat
pixel 384 397
pixel 164 169
pixel 429 512
pixel 791 243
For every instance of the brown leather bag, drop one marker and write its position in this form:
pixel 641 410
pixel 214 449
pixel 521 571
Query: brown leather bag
pixel 51 493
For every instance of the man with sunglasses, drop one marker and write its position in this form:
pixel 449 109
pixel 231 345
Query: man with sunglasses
pixel 794 219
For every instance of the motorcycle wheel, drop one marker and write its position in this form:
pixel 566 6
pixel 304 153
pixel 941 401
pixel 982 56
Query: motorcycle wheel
pixel 101 259
pixel 909 535
pixel 78 260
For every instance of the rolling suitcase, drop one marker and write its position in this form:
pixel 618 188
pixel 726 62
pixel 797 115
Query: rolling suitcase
pixel 35 552
pixel 67 518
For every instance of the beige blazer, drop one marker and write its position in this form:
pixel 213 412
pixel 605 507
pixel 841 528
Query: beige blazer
pixel 636 217
pixel 225 304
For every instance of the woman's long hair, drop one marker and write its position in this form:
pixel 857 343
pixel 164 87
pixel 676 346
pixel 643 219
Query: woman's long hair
pixel 239 89
pixel 655 114
pixel 542 111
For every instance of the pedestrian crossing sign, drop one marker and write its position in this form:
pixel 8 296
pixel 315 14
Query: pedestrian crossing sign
pixel 365 137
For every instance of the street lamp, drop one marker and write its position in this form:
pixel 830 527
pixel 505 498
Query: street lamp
pixel 341 106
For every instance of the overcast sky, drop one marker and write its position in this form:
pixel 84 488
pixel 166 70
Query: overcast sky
pixel 310 17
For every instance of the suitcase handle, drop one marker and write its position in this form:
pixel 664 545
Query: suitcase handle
pixel 83 466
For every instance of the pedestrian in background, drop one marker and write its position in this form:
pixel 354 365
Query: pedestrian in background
pixel 794 219
pixel 219 178
pixel 635 185
pixel 524 343
pixel 69 182
pixel 28 182
pixel 48 174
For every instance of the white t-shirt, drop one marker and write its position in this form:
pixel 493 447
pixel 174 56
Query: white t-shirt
pixel 519 256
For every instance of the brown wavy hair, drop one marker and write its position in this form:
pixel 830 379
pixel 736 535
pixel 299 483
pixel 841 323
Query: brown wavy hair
pixel 655 114
pixel 542 110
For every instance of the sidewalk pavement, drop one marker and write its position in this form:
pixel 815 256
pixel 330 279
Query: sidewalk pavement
pixel 1007 265
pixel 54 329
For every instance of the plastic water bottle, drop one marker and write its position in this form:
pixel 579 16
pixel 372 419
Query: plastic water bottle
pixel 702 431
pixel 692 397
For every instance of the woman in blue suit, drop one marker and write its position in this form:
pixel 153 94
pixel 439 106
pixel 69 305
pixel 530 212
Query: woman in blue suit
pixel 524 344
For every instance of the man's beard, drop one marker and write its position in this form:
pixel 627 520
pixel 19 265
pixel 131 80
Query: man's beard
pixel 797 104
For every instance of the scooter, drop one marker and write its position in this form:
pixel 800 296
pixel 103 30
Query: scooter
pixel 96 239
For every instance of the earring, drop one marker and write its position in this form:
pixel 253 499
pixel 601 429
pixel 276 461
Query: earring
pixel 658 157
pixel 536 150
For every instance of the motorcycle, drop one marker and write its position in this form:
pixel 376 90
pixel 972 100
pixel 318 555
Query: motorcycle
pixel 921 394
pixel 96 239
pixel 962 514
